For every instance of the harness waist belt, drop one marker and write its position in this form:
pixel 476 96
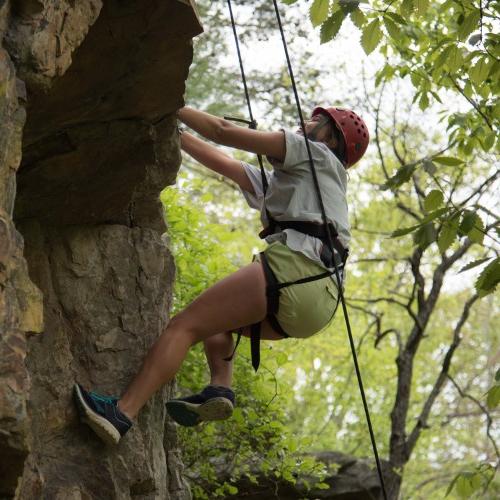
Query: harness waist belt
pixel 315 230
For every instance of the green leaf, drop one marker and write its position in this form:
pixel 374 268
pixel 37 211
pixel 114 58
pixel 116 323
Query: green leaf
pixel 331 27
pixel 434 215
pixel 436 96
pixel 358 18
pixel 433 200
pixel 493 397
pixel 232 490
pixel 392 28
pixel 423 103
pixel 402 232
pixel 489 278
pixel 407 7
pixel 442 57
pixel 349 6
pixel 281 358
pixel 319 11
pixel 467 223
pixel 429 167
pixel 371 37
pixel 479 71
pixel 402 175
pixel 421 6
pixel 470 23
pixel 395 17
pixel 425 235
pixel 489 141
pixel 476 234
pixel 322 486
pixel 446 237
pixel 464 487
pixel 473 264
pixel 447 160
pixel 289 2
pixel 455 59
pixel 451 485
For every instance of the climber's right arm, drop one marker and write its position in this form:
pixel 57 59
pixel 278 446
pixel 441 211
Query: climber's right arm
pixel 225 133
pixel 216 160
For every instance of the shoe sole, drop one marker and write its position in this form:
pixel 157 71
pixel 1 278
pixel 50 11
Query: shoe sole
pixel 191 414
pixel 104 429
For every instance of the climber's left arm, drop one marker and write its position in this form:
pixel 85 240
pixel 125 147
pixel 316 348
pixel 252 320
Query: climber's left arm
pixel 223 132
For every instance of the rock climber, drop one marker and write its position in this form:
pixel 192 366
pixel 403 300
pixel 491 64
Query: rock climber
pixel 250 301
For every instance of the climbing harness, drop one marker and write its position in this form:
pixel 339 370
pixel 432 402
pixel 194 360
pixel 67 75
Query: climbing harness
pixel 327 234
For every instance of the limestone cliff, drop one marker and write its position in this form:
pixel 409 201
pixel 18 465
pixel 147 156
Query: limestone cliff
pixel 88 89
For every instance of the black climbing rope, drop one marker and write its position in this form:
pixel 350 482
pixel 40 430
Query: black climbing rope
pixel 325 222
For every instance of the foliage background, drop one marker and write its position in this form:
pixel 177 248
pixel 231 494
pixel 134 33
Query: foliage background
pixel 304 398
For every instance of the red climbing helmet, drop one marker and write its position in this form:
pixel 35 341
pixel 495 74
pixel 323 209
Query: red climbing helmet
pixel 353 129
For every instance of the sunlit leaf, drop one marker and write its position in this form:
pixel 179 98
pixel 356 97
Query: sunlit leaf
pixel 473 264
pixel 454 59
pixel 493 397
pixel 319 11
pixel 447 235
pixel 421 6
pixel 433 200
pixel 489 278
pixel 407 7
pixel 402 232
pixel 464 487
pixel 423 102
pixel 331 27
pixel 469 24
pixel 391 27
pixel 358 18
pixel 447 160
pixel 479 71
pixel 372 34
pixel 476 234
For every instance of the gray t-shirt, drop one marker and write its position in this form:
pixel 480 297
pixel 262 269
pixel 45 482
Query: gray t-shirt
pixel 291 194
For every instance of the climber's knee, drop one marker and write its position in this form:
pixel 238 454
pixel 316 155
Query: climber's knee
pixel 183 325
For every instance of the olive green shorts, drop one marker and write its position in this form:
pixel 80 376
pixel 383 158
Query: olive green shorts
pixel 305 308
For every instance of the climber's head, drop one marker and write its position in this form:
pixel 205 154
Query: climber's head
pixel 342 130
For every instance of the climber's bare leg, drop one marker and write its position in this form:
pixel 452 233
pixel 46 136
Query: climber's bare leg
pixel 217 347
pixel 237 300
pixel 220 346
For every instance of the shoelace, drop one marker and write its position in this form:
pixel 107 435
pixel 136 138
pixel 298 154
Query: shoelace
pixel 104 399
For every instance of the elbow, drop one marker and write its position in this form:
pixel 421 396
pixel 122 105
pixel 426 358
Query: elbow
pixel 220 131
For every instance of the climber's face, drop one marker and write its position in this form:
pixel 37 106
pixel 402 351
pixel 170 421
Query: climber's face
pixel 310 125
pixel 320 129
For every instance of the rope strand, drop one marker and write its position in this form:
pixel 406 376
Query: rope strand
pixel 324 218
pixel 253 123
pixel 330 243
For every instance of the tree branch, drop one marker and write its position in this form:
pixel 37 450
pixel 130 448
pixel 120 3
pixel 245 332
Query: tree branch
pixel 438 385
pixel 489 420
pixel 473 103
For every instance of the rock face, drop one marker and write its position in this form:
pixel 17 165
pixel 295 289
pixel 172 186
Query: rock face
pixel 88 91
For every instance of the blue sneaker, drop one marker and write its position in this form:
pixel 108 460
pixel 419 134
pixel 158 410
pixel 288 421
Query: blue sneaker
pixel 215 402
pixel 101 413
